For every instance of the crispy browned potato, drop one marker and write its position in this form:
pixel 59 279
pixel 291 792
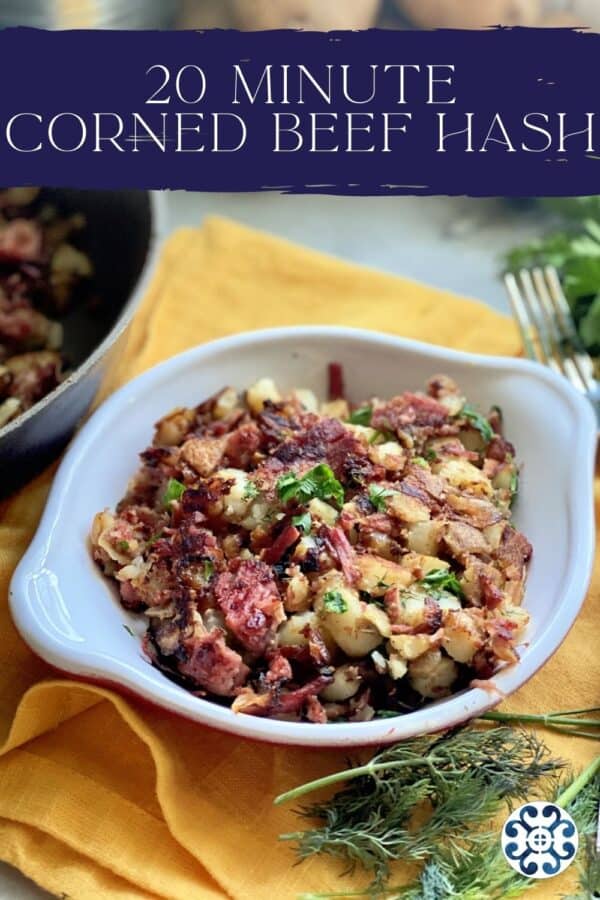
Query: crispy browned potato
pixel 309 14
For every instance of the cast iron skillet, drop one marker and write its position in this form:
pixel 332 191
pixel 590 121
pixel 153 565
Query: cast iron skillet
pixel 120 239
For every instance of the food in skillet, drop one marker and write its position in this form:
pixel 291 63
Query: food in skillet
pixel 40 270
pixel 322 563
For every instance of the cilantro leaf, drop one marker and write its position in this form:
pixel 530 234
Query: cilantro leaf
pixel 378 495
pixel 250 491
pixel 334 602
pixel 443 580
pixel 361 416
pixel 303 522
pixel 319 483
pixel 208 569
pixel 575 252
pixel 174 491
pixel 478 422
pixel 122 546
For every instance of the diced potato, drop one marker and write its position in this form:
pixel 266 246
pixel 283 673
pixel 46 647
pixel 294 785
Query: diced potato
pixel 377 617
pixel 464 475
pixel 390 455
pixel 471 439
pixel 397 667
pixel 420 564
pixel 345 684
pixel 453 403
pixel 297 595
pixel 68 260
pixel 424 537
pixel 291 633
pixel 236 503
pixel 257 395
pixel 463 636
pixel 349 628
pixel 367 435
pixel 432 675
pixel 381 544
pixel 493 534
pixel 411 646
pixel 204 454
pixel 413 609
pixel 102 536
pixel 447 601
pixel 503 480
pixel 9 409
pixel 134 570
pixel 172 428
pixel 304 546
pixel 514 590
pixel 378 575
pixel 307 399
pixel 323 512
pixel 226 402
pixel 380 662
pixel 336 409
pixel 407 509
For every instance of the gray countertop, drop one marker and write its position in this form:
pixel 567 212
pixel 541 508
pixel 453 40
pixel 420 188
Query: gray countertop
pixel 452 243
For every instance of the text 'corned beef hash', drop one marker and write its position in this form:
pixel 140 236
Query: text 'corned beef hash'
pixel 322 562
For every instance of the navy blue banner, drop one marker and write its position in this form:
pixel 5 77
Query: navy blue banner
pixel 508 112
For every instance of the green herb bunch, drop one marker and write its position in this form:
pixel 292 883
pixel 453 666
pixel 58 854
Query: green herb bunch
pixel 465 776
pixel 575 252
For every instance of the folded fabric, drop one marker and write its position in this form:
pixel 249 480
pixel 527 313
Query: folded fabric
pixel 102 796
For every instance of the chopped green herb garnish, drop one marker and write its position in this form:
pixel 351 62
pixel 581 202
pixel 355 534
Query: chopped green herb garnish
pixel 319 483
pixel 334 602
pixel 250 491
pixel 514 485
pixel 386 714
pixel 303 522
pixel 128 630
pixel 479 422
pixel 123 546
pixel 208 569
pixel 361 416
pixel 174 491
pixel 443 580
pixel 385 435
pixel 421 461
pixel 431 455
pixel 378 495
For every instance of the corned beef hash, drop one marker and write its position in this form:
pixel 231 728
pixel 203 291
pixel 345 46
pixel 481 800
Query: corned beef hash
pixel 322 562
pixel 41 274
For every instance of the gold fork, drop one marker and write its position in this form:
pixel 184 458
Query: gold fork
pixel 548 331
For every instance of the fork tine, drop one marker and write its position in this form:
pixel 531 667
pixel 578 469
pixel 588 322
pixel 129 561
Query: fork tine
pixel 521 315
pixel 581 359
pixel 567 364
pixel 538 317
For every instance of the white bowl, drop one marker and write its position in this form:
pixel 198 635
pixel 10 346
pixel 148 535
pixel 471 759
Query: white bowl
pixel 67 612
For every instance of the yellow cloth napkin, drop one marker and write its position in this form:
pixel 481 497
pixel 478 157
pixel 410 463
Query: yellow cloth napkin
pixel 104 797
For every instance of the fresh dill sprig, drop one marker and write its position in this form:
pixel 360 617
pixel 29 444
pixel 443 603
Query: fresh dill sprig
pixel 577 722
pixel 463 777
